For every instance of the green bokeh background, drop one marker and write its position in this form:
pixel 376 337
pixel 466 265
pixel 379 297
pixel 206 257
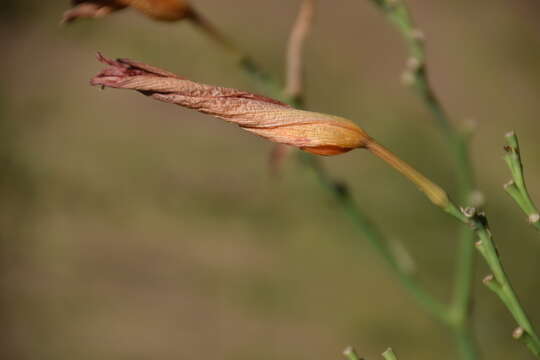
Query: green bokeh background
pixel 132 229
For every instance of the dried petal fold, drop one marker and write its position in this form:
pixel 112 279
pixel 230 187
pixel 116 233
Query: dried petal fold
pixel 314 132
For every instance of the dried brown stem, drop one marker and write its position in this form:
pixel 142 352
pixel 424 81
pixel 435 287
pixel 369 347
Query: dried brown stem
pixel 299 33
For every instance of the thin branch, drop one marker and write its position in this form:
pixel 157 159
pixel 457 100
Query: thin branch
pixel 499 283
pixel 517 188
pixel 295 64
pixel 294 85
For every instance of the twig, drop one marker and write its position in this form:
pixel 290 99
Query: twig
pixel 416 74
pixel 517 188
pixel 263 81
pixel 499 283
pixel 299 33
pixel 294 85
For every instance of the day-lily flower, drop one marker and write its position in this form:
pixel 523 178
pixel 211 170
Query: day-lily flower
pixel 317 133
pixel 164 10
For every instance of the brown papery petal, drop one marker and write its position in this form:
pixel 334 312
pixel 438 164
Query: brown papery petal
pixel 314 132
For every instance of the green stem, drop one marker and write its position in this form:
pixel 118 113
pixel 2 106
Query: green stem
pixel 517 188
pixel 500 284
pixel 417 75
pixel 465 341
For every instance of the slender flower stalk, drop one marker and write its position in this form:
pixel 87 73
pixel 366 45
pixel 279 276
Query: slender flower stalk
pixel 293 91
pixel 437 195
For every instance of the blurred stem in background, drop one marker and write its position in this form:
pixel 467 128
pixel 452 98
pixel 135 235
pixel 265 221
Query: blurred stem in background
pixel 16 211
pixel 516 187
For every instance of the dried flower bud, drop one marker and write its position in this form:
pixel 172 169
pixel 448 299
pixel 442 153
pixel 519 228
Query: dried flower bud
pixel 164 10
pixel 313 132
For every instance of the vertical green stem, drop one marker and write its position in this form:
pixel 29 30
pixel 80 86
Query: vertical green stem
pixel 416 74
pixel 500 284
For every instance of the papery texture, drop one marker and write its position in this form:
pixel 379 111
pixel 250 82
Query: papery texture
pixel 314 132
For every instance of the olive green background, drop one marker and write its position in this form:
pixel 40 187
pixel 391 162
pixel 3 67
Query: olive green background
pixel 132 229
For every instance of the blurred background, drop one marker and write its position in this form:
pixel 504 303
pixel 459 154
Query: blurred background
pixel 132 229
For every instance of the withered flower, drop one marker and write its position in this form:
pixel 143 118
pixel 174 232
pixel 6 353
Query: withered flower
pixel 313 132
pixel 164 10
